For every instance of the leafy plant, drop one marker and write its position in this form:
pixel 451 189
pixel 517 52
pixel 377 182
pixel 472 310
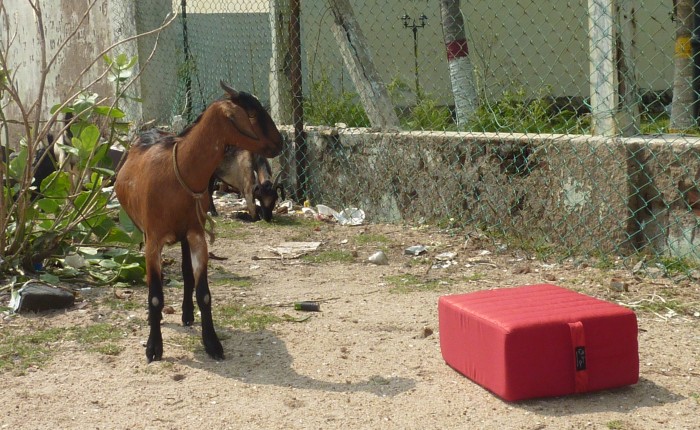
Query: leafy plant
pixel 326 106
pixel 55 217
pixel 428 114
pixel 515 112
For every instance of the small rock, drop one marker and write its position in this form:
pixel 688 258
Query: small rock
pixel 521 269
pixel 426 332
pixel 178 377
pixel 617 284
pixel 378 258
pixel 37 297
pixel 168 310
pixel 549 277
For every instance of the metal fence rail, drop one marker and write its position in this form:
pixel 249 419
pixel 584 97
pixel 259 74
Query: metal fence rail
pixel 569 125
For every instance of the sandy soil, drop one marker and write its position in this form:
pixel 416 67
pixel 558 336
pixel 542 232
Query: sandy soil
pixel 370 359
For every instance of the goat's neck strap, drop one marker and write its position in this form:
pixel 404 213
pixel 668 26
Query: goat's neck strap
pixel 202 215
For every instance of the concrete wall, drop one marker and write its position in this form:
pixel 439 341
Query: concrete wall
pixel 584 193
pixel 106 23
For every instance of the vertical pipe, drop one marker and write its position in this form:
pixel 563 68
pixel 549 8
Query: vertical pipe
pixel 300 147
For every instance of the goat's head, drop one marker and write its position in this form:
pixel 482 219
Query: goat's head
pixel 266 194
pixel 256 131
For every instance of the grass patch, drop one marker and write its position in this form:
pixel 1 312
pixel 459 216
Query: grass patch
pixel 129 304
pixel 615 425
pixel 231 229
pixel 409 283
pixel 370 239
pixel 331 256
pixel 253 318
pixel 474 277
pixel 19 352
pixel 96 333
pixel 220 277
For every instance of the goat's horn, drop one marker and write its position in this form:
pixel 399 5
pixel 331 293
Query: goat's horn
pixel 228 88
pixel 277 178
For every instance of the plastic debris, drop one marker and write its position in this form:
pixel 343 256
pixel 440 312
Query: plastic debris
pixel 378 258
pixel 307 306
pixel 416 250
pixel 446 256
pixel 348 216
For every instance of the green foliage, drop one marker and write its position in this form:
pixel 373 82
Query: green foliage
pixel 514 112
pixel 19 351
pixel 331 256
pixel 253 318
pixel 326 106
pixel 429 115
pixel 408 283
pixel 66 210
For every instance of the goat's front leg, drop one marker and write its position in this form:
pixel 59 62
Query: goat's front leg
pixel 154 346
pixel 199 257
pixel 188 280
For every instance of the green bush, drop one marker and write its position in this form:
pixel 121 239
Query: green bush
pixel 41 223
pixel 326 106
pixel 515 113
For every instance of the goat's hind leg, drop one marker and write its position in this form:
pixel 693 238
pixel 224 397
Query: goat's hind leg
pixel 188 280
pixel 198 251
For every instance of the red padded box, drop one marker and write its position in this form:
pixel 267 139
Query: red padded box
pixel 538 341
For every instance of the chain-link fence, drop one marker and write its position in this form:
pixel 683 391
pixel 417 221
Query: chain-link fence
pixel 567 125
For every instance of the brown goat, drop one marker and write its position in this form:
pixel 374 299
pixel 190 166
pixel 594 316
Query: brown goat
pixel 249 175
pixel 154 186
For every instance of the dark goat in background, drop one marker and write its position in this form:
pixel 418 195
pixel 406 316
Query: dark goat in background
pixel 249 175
pixel 155 187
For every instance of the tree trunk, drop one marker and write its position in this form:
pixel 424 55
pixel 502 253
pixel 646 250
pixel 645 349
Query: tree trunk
pixel 603 93
pixel 461 70
pixel 628 117
pixel 280 82
pixel 683 94
pixel 353 48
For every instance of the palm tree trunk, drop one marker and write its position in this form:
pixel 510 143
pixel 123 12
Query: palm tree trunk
pixel 461 70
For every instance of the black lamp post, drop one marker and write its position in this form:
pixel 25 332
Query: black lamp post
pixel 413 26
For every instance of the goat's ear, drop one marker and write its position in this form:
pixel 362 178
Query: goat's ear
pixel 239 118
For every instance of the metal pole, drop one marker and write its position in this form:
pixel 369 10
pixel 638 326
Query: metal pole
pixel 415 57
pixel 301 152
pixel 186 49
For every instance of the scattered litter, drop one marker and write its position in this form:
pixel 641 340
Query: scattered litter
pixel 446 256
pixel 292 249
pixel 348 216
pixel 444 264
pixel 35 296
pixel 416 250
pixel 483 252
pixel 75 260
pixel 378 258
pixel 307 306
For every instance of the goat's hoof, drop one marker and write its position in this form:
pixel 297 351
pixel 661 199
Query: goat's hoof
pixel 187 321
pixel 154 353
pixel 214 349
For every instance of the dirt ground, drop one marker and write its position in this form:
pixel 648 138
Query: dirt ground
pixel 370 359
